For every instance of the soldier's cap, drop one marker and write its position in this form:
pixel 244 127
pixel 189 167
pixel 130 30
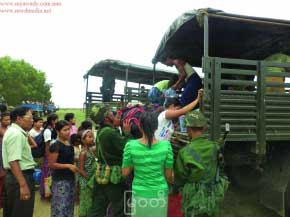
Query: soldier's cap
pixel 195 119
pixel 98 113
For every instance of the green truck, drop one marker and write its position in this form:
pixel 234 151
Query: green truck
pixel 123 71
pixel 242 90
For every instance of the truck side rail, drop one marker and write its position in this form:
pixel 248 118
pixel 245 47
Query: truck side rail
pixel 253 99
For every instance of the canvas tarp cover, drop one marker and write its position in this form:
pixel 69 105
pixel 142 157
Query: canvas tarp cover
pixel 136 73
pixel 230 36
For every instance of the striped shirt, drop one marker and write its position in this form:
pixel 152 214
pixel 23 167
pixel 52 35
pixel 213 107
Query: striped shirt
pixel 149 165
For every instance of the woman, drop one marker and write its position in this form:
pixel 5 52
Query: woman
pixel 152 162
pixel 49 135
pixel 61 160
pixel 171 112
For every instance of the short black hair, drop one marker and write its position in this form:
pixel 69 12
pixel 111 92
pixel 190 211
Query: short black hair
pixel 85 125
pixel 61 124
pixel 4 114
pixel 69 116
pixel 19 111
pixel 3 108
pixel 36 118
pixel 171 101
pixel 75 138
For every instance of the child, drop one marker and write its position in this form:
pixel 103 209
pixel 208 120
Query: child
pixel 49 135
pixel 87 161
pixel 86 125
pixel 37 126
pixel 76 143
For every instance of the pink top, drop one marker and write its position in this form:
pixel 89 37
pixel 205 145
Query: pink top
pixel 73 130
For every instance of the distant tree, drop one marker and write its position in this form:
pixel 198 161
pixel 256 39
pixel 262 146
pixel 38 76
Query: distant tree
pixel 20 81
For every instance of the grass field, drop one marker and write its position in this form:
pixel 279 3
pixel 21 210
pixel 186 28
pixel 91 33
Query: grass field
pixel 79 115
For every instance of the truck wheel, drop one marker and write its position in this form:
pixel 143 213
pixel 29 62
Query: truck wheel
pixel 245 177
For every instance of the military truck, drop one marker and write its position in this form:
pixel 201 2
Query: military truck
pixel 128 72
pixel 238 91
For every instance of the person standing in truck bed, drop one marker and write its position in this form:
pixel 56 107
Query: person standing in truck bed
pixel 188 75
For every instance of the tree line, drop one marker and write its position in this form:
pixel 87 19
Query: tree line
pixel 20 81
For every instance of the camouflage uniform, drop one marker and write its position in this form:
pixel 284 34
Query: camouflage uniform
pixel 196 170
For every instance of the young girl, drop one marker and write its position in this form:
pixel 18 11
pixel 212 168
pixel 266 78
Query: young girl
pixel 37 126
pixel 75 141
pixel 61 160
pixel 49 135
pixel 35 131
pixel 87 162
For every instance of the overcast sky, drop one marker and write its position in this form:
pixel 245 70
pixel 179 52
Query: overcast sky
pixel 68 41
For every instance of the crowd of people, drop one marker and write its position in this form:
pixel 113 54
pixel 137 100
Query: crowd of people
pixel 111 171
pixel 38 103
pixel 124 167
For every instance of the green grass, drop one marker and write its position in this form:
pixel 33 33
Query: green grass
pixel 79 115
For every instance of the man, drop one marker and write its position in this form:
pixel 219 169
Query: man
pixel 196 171
pixel 188 75
pixel 70 118
pixel 278 58
pixel 108 87
pixel 143 95
pixel 4 124
pixel 19 164
pixel 110 145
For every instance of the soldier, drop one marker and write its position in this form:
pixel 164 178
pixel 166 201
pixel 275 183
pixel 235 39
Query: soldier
pixel 108 87
pixel 109 188
pixel 197 171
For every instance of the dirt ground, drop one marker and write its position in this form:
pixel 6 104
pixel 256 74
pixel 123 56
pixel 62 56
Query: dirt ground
pixel 237 204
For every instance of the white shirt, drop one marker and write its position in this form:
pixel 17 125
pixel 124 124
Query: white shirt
pixel 33 133
pixel 47 135
pixel 165 128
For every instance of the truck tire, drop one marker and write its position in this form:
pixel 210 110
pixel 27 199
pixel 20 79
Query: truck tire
pixel 287 200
